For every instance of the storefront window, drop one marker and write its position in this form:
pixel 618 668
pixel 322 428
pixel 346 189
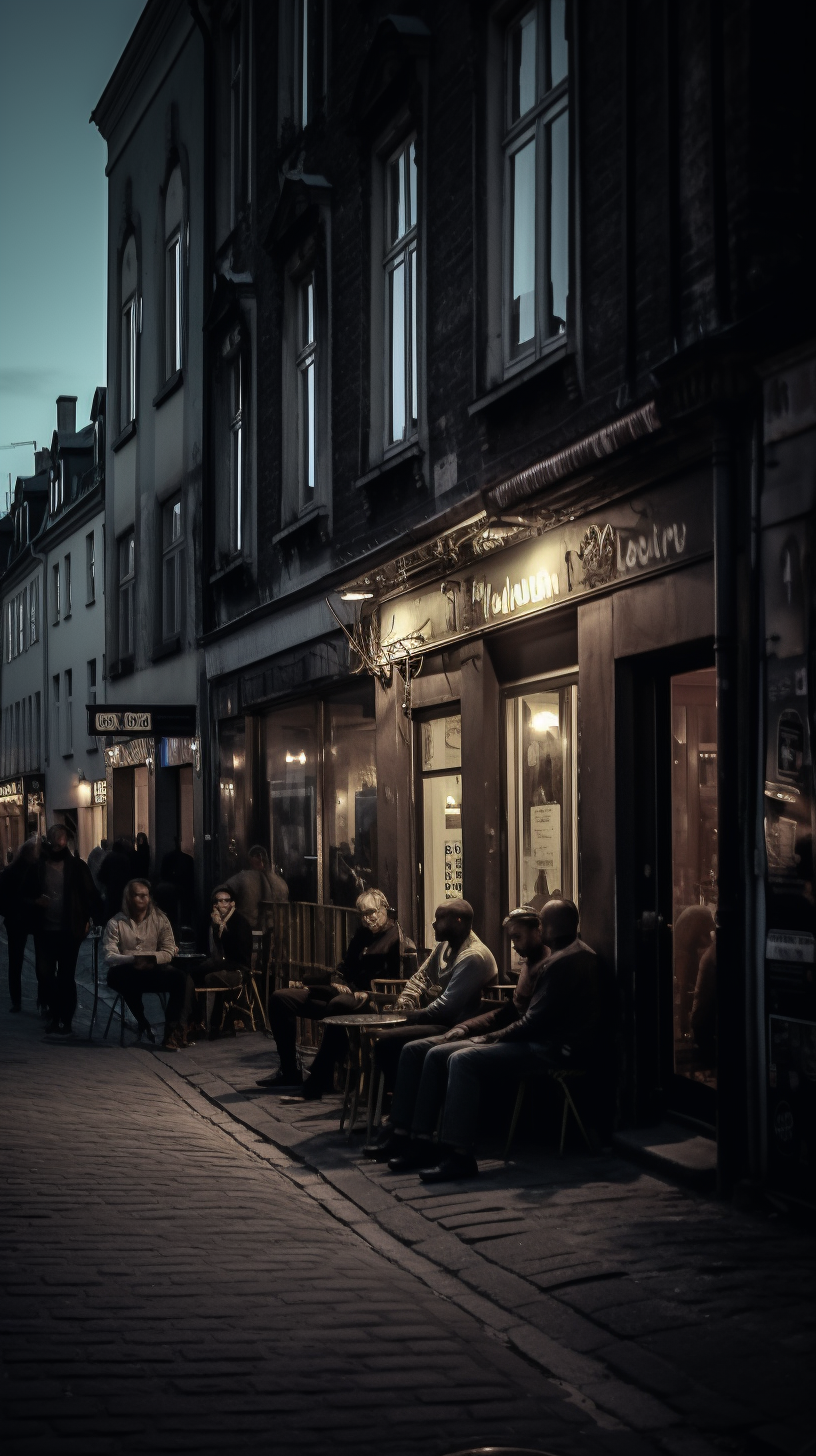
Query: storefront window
pixel 233 798
pixel 350 794
pixel 441 865
pixel 542 796
pixel 694 872
pixel 291 744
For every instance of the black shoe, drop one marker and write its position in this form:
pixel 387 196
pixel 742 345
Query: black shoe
pixel 389 1144
pixel 451 1169
pixel 15 1006
pixel 415 1156
pixel 65 1029
pixel 52 1026
pixel 311 1091
pixel 146 1030
pixel 280 1082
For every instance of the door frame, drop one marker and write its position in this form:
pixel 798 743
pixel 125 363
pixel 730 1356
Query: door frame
pixel 644 885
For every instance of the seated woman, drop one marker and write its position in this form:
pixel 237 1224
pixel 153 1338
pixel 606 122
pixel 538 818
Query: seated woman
pixel 137 948
pixel 230 955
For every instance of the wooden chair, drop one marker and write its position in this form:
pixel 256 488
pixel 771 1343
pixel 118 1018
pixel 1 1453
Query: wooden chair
pixel 561 1077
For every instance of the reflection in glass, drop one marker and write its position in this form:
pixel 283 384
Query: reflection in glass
pixel 523 66
pixel 350 794
pixel 232 796
pixel 558 41
pixel 396 173
pixel 291 776
pixel 440 752
pixel 523 215
pixel 559 223
pixel 542 796
pixel 694 872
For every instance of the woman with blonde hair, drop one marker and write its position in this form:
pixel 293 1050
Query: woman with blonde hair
pixel 138 947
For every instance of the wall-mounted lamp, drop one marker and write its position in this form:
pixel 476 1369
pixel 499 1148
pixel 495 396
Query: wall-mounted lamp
pixel 296 757
pixel 83 791
pixel 545 722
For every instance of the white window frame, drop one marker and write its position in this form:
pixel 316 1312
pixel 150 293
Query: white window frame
pixel 309 59
pixel 127 593
pixel 90 568
pixel 68 592
pixel 308 399
pixel 401 252
pixel 56 596
pixel 172 567
pixel 174 294
pixel 237 448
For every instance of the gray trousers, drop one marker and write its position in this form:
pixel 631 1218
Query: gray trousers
pixel 435 1072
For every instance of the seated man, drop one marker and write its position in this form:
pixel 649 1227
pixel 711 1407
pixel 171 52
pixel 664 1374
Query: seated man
pixel 230 955
pixel 374 952
pixel 558 1029
pixel 445 990
pixel 137 948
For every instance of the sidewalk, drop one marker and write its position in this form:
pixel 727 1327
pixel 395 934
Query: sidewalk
pixel 662 1308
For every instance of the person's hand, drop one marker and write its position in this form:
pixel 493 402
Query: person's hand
pixel 341 989
pixel 482 1040
pixel 457 1033
pixel 402 1004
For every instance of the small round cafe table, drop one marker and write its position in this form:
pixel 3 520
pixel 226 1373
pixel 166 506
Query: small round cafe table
pixel 359 1062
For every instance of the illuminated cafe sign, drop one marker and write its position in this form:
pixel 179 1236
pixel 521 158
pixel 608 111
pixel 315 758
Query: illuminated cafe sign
pixel 11 789
pixel 99 790
pixel 624 542
pixel 117 720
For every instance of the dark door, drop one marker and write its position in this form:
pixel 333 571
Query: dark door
pixel 123 803
pixel 668 881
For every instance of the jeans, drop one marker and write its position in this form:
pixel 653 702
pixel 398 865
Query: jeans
pixel 389 1045
pixel 16 950
pixel 56 954
pixel 452 1073
pixel 313 1002
pixel 171 981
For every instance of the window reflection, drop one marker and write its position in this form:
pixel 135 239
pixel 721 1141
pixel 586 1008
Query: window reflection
pixel 350 795
pixel 542 796
pixel 291 777
pixel 232 796
pixel 442 858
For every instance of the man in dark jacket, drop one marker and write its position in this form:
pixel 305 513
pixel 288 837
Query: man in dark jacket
pixel 373 953
pixel 64 900
pixel 230 955
pixel 558 1029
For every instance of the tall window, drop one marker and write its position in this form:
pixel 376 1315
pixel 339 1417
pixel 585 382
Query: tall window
pixel 401 294
pixel 90 569
pixel 236 454
pixel 129 331
pixel 307 369
pixel 236 119
pixel 34 610
pixel 68 589
pixel 91 688
pixel 56 605
pixel 127 586
pixel 172 546
pixel 173 273
pixel 536 170
pixel 68 714
pixel 310 32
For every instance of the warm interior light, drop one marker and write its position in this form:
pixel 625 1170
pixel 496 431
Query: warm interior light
pixel 296 757
pixel 84 793
pixel 355 596
pixel 542 722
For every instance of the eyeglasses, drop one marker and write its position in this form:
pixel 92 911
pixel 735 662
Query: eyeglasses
pixel 369 914
pixel 222 900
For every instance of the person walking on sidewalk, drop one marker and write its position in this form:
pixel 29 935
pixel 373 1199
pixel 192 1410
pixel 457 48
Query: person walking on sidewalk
pixel 17 915
pixel 138 947
pixel 65 901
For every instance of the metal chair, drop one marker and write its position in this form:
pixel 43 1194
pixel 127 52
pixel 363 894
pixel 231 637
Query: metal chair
pixel 561 1077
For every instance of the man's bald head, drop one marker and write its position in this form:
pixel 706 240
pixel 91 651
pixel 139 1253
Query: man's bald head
pixel 559 923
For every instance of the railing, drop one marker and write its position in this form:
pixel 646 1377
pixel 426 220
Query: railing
pixel 308 938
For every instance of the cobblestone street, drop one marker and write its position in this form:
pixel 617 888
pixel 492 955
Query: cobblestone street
pixel 188 1267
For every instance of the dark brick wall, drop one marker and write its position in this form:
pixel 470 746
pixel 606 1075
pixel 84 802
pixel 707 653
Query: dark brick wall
pixel 755 184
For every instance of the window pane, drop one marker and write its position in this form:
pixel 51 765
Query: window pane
pixel 442 844
pixel 177 293
pixel 232 777
pixel 558 41
pixel 237 487
pixel 542 796
pixel 414 390
pixel 442 743
pixel 291 774
pixel 397 305
pixel 126 387
pixel 412 182
pixel 309 321
pixel 306 100
pixel 350 794
pixel 396 188
pixel 694 873
pixel 523 216
pixel 310 426
pixel 523 66
pixel 559 224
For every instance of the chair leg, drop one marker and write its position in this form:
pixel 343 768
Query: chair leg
pixel 370 1117
pixel 569 1104
pixel 110 1018
pixel 564 1114
pixel 514 1119
pixel 380 1095
pixel 346 1095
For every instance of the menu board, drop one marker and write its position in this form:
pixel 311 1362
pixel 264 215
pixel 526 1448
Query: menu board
pixel 545 842
pixel 453 867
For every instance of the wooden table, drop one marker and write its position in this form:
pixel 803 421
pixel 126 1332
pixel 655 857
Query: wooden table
pixel 359 1061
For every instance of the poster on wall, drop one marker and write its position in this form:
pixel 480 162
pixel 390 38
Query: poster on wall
pixel 453 868
pixel 545 842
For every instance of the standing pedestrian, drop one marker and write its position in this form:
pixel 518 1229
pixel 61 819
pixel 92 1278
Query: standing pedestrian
pixel 114 873
pixel 141 856
pixel 95 860
pixel 15 907
pixel 66 901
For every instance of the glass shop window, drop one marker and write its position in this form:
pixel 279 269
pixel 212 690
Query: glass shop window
pixel 441 767
pixel 291 748
pixel 350 795
pixel 694 873
pixel 542 795
pixel 232 790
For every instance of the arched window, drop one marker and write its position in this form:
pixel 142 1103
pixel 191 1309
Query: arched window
pixel 130 330
pixel 173 273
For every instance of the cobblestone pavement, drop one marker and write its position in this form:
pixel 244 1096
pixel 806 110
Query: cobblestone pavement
pixel 191 1266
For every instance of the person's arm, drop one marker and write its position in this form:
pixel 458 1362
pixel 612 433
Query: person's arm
pixel 112 954
pixel 410 997
pixel 541 1016
pixel 500 1016
pixel 471 974
pixel 165 942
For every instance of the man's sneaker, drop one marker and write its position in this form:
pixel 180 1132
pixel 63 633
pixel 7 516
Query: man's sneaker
pixel 311 1091
pixel 418 1154
pixel 280 1082
pixel 389 1144
pixel 65 1029
pixel 451 1169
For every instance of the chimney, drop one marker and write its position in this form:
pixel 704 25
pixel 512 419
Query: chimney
pixel 66 414
pixel 42 461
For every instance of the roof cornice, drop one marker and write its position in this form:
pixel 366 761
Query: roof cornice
pixel 152 28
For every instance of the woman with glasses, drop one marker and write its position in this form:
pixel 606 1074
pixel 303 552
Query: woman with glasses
pixel 230 955
pixel 374 952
